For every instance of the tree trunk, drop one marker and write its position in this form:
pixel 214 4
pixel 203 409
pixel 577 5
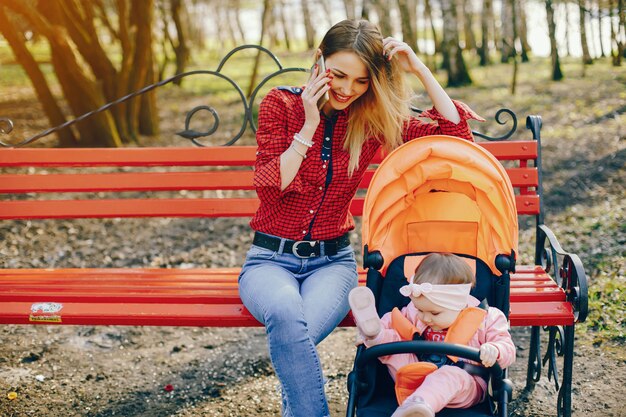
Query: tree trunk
pixel 522 29
pixel 141 16
pixel 235 16
pixel 508 42
pixel 309 30
pixel 350 6
pixel 82 93
pixel 568 49
pixel 428 11
pixel 618 50
pixel 458 74
pixel 267 6
pixel 408 29
pixel 284 22
pixel 600 37
pixel 468 25
pixel 24 57
pixel 583 33
pixel 327 10
pixel 515 63
pixel 181 50
pixel 483 51
pixel 557 74
pixel 383 9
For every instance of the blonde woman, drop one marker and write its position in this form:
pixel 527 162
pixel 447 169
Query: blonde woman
pixel 310 160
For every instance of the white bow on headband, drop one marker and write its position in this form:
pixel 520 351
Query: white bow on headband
pixel 449 296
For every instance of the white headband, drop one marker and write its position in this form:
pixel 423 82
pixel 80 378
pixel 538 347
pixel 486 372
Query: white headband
pixel 450 296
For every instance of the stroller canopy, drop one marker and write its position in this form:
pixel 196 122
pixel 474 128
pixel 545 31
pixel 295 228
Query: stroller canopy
pixel 440 194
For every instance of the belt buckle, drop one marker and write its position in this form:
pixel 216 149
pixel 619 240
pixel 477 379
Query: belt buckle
pixel 294 248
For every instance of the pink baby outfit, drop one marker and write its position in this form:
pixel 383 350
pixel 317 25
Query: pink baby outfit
pixel 450 386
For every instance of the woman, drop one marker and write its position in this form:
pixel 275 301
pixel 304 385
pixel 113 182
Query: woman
pixel 300 268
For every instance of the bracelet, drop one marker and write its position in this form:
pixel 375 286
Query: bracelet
pixel 303 155
pixel 298 137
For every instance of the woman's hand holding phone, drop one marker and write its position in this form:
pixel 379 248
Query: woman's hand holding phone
pixel 315 93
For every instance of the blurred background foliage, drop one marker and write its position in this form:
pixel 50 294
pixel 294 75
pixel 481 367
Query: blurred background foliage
pixel 80 54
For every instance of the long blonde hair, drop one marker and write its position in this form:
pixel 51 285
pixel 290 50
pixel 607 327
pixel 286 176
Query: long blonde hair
pixel 382 111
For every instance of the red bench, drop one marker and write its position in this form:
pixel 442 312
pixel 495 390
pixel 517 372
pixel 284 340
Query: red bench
pixel 209 297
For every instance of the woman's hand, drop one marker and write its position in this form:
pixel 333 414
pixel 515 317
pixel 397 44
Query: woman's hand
pixel 408 60
pixel 488 354
pixel 315 88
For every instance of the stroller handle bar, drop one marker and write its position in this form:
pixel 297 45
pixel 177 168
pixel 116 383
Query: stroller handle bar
pixel 419 347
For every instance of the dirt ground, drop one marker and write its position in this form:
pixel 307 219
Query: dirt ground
pixel 166 371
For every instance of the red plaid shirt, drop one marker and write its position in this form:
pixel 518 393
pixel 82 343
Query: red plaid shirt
pixel 304 208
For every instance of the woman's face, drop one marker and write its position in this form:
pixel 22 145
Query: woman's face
pixel 350 80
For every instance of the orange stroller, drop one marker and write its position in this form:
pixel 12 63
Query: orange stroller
pixel 434 194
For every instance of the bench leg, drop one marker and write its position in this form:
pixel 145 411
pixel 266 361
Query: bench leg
pixel 534 359
pixel 564 405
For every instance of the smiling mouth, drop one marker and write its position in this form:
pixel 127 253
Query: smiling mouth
pixel 340 98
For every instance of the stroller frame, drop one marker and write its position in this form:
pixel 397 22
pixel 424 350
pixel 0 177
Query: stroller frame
pixel 551 294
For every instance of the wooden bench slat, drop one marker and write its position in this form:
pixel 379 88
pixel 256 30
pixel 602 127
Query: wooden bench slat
pixel 228 315
pixel 182 294
pixel 191 156
pixel 172 181
pixel 101 157
pixel 164 207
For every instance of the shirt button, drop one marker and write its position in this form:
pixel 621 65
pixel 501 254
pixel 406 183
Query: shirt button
pixel 324 166
pixel 327 138
pixel 311 211
pixel 321 188
pixel 304 232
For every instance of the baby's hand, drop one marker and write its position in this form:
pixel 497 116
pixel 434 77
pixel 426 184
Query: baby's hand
pixel 488 354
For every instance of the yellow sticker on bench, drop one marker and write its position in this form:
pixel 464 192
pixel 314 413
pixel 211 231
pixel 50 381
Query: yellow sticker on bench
pixel 45 312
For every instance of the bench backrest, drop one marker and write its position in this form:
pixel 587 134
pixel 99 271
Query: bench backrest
pixel 43 183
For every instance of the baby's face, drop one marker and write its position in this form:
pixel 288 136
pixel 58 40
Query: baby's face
pixel 436 317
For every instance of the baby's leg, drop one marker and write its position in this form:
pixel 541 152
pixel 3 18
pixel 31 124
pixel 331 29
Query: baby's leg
pixel 449 386
pixel 363 307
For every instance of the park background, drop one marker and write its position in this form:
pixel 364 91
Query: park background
pixel 62 58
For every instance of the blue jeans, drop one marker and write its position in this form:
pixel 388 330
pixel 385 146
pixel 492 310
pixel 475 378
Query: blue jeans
pixel 300 301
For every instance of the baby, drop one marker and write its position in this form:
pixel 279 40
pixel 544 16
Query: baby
pixel 441 309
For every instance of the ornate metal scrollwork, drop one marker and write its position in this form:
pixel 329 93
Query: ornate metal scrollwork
pixel 6 125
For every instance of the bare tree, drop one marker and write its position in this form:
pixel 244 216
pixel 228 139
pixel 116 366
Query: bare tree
pixel 428 11
pixel 507 44
pixel 37 78
pixel 309 30
pixel 522 29
pixel 568 49
pixel 617 31
pixel 600 37
pixel 453 54
pixel 88 77
pixel 383 10
pixel 180 47
pixel 483 50
pixel 583 33
pixel 557 74
pixel 284 23
pixel 350 6
pixel 468 25
pixel 265 17
pixel 408 25
pixel 234 15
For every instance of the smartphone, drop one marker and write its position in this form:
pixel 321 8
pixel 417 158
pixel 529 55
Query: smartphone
pixel 322 68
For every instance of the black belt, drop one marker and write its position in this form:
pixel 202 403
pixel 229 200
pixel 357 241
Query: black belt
pixel 302 248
